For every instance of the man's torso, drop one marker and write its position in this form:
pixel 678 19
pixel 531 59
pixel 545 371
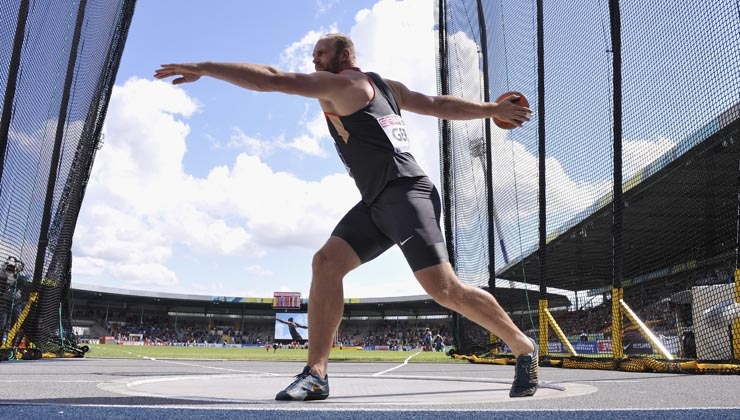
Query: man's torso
pixel 371 141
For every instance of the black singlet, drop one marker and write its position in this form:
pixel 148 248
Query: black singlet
pixel 400 205
pixel 373 143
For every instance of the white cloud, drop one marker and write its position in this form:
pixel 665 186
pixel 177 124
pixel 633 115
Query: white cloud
pixel 323 6
pixel 636 154
pixel 298 56
pixel 308 145
pixel 140 203
pixel 315 136
pixel 252 145
pixel 310 142
pixel 259 271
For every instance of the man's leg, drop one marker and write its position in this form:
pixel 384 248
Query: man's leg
pixel 326 299
pixel 325 305
pixel 442 284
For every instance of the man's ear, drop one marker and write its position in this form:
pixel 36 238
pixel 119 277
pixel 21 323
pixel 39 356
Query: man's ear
pixel 345 55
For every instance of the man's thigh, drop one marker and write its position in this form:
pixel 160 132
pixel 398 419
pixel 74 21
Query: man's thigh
pixel 358 230
pixel 408 212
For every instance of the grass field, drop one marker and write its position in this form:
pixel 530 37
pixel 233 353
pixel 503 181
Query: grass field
pixel 221 353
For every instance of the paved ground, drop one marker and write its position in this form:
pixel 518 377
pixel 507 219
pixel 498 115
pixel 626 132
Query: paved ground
pixel 91 388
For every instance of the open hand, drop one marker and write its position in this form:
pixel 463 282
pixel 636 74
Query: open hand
pixel 188 72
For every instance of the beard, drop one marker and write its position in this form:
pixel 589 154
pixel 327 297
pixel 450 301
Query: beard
pixel 334 65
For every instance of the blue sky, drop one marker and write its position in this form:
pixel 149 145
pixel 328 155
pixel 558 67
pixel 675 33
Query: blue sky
pixel 210 189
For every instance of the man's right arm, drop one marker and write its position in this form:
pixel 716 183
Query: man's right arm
pixel 258 77
pixel 455 108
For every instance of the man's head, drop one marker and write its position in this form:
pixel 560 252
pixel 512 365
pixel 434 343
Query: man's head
pixel 334 53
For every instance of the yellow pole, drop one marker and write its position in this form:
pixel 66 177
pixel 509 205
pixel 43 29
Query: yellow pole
pixel 493 340
pixel 559 332
pixel 617 349
pixel 17 326
pixel 736 322
pixel 645 331
pixel 544 332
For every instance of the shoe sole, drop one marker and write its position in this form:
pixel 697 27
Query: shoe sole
pixel 308 397
pixel 525 393
pixel 316 397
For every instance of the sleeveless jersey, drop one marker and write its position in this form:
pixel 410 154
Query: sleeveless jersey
pixel 372 142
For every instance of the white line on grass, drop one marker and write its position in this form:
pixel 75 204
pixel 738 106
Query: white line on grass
pixel 405 362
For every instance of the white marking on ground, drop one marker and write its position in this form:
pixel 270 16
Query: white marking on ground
pixel 405 362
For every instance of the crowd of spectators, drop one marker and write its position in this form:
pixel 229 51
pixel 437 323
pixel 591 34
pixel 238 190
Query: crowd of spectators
pixel 396 335
pixel 409 334
pixel 187 332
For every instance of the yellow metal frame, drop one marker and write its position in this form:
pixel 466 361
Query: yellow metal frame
pixel 492 340
pixel 736 322
pixel 549 321
pixel 17 325
pixel 617 349
pixel 645 331
pixel 619 309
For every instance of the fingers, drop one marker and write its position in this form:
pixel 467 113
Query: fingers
pixel 163 72
pixel 167 70
pixel 185 72
pixel 518 114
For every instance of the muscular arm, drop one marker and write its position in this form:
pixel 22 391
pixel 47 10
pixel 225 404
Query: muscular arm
pixel 454 108
pixel 258 77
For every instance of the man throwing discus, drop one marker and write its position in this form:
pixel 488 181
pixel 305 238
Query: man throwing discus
pixel 399 205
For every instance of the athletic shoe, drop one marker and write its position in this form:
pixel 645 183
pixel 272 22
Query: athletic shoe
pixel 526 374
pixel 307 386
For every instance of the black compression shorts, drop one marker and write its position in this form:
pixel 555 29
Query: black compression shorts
pixel 406 213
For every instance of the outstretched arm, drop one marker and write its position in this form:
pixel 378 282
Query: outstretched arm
pixel 448 107
pixel 257 77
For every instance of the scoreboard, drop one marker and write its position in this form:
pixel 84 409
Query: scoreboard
pixel 286 300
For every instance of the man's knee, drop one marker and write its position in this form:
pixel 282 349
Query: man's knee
pixel 448 293
pixel 321 261
pixel 442 285
pixel 335 257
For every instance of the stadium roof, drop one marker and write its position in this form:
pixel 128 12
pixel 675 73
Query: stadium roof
pixel 96 298
pixel 676 186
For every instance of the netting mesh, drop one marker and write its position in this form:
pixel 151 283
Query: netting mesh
pixel 649 266
pixel 58 66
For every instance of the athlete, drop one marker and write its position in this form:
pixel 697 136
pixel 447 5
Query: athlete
pixel 399 204
pixel 293 328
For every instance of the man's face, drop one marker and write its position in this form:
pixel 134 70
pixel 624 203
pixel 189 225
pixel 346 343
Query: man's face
pixel 325 57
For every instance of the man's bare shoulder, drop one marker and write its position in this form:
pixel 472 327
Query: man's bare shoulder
pixel 352 92
pixel 320 84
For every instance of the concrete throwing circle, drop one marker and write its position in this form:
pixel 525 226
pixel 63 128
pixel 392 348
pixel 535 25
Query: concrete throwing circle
pixel 355 389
